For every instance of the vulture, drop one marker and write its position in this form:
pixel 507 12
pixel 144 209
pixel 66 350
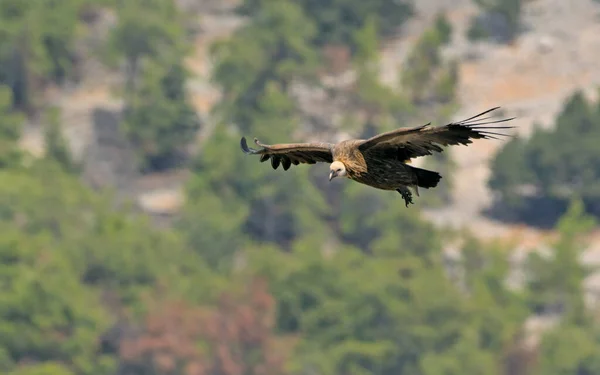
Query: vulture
pixel 382 161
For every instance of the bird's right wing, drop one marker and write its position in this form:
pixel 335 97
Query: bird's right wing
pixel 422 140
pixel 287 154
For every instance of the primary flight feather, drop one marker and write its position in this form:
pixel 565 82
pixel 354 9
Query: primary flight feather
pixel 382 161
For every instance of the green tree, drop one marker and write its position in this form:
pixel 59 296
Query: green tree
pixel 337 21
pixel 57 148
pixel 570 350
pixel 377 105
pixel 116 251
pixel 215 189
pixel 235 199
pixel 445 165
pixel 387 312
pixel 555 283
pixel 443 27
pixel 10 130
pixel 573 347
pixel 505 178
pixel 256 66
pixel 46 313
pixel 367 225
pixel 507 11
pixel 71 264
pixel 425 76
pixel 159 120
pixel 430 85
pixel 36 44
pixel 47 368
pixel 145 29
pixel 554 164
pixel 250 201
pixel 498 312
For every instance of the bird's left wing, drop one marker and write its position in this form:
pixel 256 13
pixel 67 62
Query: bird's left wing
pixel 287 154
pixel 422 140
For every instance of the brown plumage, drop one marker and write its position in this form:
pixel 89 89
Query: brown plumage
pixel 382 161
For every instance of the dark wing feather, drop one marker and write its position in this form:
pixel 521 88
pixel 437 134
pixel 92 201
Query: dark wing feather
pixel 407 143
pixel 286 154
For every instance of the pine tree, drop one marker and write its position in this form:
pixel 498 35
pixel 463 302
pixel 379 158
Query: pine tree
pixel 57 148
pixel 337 22
pixel 557 285
pixel 251 201
pixel 159 120
pixel 424 75
pixel 37 45
pixel 555 164
pixel 556 282
pixel 509 13
pixel 10 130
pixel 259 63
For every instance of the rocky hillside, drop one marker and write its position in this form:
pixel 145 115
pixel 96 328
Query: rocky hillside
pixel 558 52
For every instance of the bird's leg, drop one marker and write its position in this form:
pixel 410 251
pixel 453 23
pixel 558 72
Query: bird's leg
pixel 406 195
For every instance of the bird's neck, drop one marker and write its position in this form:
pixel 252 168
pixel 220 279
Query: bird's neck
pixel 354 167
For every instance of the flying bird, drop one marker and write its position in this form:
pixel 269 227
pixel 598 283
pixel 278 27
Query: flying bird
pixel 382 161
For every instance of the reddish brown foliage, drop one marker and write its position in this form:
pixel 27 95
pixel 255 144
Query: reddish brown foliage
pixel 520 357
pixel 234 338
pixel 337 58
pixel 168 340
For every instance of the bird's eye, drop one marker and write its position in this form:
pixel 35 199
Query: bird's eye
pixel 339 170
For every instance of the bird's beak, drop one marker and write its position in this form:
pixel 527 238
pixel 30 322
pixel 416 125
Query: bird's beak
pixel 332 175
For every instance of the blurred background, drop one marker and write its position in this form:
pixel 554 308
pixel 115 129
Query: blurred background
pixel 137 238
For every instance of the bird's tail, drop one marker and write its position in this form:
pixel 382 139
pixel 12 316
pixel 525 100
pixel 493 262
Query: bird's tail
pixel 426 179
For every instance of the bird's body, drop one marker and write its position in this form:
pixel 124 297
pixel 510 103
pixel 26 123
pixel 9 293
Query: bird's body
pixel 380 161
pixel 375 167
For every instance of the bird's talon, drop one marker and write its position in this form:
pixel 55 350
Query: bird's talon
pixel 406 195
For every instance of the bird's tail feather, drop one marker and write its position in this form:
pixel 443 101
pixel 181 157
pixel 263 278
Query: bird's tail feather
pixel 426 179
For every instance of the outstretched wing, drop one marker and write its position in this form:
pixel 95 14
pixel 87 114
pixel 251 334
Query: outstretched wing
pixel 422 140
pixel 287 154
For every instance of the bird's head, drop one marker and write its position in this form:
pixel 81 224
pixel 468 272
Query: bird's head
pixel 336 169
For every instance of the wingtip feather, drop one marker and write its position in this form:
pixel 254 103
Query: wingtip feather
pixel 479 125
pixel 244 145
pixel 478 115
pixel 245 148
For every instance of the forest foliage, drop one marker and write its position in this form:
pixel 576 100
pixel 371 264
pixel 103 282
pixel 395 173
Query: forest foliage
pixel 266 272
pixel 499 20
pixel 555 163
